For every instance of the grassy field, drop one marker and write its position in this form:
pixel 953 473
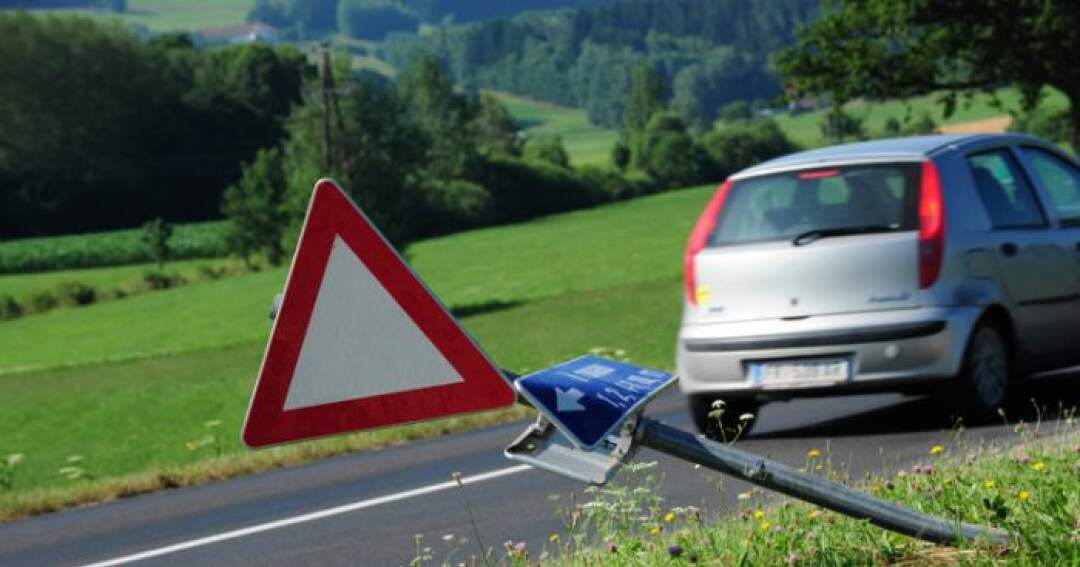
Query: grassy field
pixel 623 244
pixel 152 371
pixel 22 286
pixel 177 15
pixel 586 143
pixel 1028 489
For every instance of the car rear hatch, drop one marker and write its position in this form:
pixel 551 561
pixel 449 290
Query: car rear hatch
pixel 810 242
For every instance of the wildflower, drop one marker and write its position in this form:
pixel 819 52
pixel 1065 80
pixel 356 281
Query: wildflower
pixel 744 496
pixel 928 469
pixel 990 483
pixel 792 558
pixel 669 517
pixel 612 547
pixel 1024 495
pixel 655 530
pixel 901 474
pixel 814 514
pixel 813 454
pixel 917 469
pixel 765 525
pixel 937 450
pixel 746 417
pixel 553 538
pixel 448 537
pixel 1038 467
pixel 759 514
pixel 675 550
pixel 1023 459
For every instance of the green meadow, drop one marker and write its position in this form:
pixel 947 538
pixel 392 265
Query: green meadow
pixel 176 15
pixel 586 143
pixel 160 381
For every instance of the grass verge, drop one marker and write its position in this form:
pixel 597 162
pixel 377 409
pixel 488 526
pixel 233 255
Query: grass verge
pixel 1029 488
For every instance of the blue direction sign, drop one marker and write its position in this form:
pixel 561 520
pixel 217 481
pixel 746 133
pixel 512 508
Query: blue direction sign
pixel 589 397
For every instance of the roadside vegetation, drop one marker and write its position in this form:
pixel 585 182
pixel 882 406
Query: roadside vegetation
pixel 1024 484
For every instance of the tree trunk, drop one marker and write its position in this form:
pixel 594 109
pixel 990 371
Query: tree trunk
pixel 1074 122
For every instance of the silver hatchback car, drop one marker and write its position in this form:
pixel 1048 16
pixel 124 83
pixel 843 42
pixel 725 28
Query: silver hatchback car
pixel 893 265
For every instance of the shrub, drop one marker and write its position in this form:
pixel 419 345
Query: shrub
pixel 75 293
pixel 255 208
pixel 547 148
pixel 743 144
pixel 208 272
pixel 620 155
pixel 43 301
pixel 1053 125
pixel 605 184
pixel 522 189
pixel 670 155
pixel 155 237
pixel 155 280
pixel 9 308
pixel 457 204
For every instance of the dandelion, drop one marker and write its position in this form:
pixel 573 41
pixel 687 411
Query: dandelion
pixel 1039 466
pixel 813 514
pixel 1024 495
pixel 759 514
pixel 669 517
pixel 553 538
pixel 813 454
pixel 655 530
pixel 990 483
pixel 675 550
pixel 937 450
pixel 765 526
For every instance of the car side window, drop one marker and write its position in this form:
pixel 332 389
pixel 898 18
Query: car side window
pixel 1062 182
pixel 1004 191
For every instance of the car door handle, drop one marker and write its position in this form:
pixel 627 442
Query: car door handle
pixel 1009 249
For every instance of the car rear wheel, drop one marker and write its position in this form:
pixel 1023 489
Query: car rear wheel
pixel 986 373
pixel 731 424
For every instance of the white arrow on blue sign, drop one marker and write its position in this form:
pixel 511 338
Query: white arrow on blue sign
pixel 589 397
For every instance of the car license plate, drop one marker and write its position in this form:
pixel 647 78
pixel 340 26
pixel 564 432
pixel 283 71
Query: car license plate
pixel 806 372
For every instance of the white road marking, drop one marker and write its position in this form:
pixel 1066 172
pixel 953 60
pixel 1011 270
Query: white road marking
pixel 310 517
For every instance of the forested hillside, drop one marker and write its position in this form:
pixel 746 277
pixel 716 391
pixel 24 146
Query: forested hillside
pixel 710 52
pixel 374 19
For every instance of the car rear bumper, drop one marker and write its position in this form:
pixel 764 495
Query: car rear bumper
pixel 888 351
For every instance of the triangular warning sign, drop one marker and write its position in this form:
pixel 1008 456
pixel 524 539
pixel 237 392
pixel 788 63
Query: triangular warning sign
pixel 359 341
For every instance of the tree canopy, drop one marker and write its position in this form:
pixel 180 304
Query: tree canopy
pixel 903 48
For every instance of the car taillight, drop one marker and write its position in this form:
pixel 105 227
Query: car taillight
pixel 931 226
pixel 700 237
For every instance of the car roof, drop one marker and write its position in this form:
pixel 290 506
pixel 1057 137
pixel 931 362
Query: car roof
pixel 913 147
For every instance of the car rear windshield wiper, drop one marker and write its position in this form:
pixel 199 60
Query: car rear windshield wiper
pixel 819 233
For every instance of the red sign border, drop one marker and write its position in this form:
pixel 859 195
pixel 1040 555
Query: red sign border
pixel 332 214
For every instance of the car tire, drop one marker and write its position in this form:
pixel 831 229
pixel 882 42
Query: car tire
pixel 701 405
pixel 986 374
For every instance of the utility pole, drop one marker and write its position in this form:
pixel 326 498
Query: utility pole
pixel 327 88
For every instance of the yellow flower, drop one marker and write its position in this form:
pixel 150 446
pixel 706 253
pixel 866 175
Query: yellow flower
pixel 669 517
pixel 759 514
pixel 1038 467
pixel 554 538
pixel 655 530
pixel 817 467
pixel 1024 495
pixel 990 483
pixel 765 525
pixel 813 454
pixel 814 514
pixel 937 449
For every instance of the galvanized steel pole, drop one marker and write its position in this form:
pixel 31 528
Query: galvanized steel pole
pixel 811 488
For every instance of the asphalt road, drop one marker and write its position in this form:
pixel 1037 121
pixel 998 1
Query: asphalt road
pixel 367 509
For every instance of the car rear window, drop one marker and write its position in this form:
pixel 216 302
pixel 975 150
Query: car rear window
pixel 785 205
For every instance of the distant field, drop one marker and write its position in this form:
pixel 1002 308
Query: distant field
pixel 585 142
pixel 805 129
pixel 175 15
pixel 113 248
pixel 552 289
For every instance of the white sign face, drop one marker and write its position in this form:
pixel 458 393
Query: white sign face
pixel 359 341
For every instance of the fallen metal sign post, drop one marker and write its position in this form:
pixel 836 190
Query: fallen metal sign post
pixel 542 446
pixel 359 342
